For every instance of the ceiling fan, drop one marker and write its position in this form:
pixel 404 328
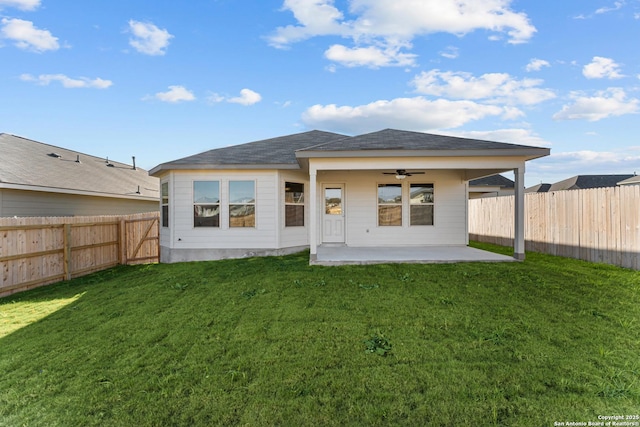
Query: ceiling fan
pixel 402 173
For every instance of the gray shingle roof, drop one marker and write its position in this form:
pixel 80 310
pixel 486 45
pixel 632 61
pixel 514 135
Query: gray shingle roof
pixel 274 152
pixel 493 181
pixel 392 139
pixel 25 162
pixel 588 181
pixel 538 188
pixel 286 152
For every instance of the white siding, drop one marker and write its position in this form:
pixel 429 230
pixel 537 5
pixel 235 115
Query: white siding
pixel 293 236
pixel 38 203
pixel 185 236
pixel 361 209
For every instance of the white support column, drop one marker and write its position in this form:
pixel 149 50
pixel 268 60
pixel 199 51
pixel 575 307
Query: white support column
pixel 518 238
pixel 313 214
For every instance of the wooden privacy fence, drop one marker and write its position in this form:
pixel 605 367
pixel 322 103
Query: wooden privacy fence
pixel 597 225
pixel 39 251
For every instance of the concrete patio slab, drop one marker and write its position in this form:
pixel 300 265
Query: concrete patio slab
pixel 345 255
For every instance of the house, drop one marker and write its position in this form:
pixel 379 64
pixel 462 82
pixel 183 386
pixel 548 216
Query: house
pixel 538 188
pixel 38 179
pixel 581 182
pixel 386 189
pixel 634 180
pixel 491 186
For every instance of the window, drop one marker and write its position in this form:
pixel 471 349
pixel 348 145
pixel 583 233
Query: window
pixel 389 204
pixel 293 204
pixel 421 200
pixel 164 190
pixel 242 204
pixel 206 204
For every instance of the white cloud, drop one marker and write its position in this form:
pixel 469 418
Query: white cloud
pixel 247 97
pixel 316 18
pixel 404 113
pixel 536 64
pixel 616 6
pixel 28 37
pixel 20 4
pixel 511 136
pixel 601 68
pixel 371 56
pixel 451 52
pixel 67 82
pixel 607 103
pixel 493 87
pixel 622 161
pixel 562 165
pixel 148 39
pixel 175 94
pixel 389 26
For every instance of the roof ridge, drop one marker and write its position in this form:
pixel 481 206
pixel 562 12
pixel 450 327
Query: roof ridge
pixel 325 143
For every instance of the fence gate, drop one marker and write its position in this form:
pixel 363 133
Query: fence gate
pixel 141 237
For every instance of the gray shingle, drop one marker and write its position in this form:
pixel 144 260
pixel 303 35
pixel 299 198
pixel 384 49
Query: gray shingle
pixel 392 139
pixel 579 182
pixel 493 181
pixel 26 162
pixel 273 151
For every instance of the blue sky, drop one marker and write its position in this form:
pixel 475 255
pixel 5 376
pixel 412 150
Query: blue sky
pixel 162 80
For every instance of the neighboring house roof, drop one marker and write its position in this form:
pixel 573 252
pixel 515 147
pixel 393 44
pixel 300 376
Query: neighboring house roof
pixel 286 152
pixel 635 179
pixel 492 181
pixel 538 188
pixel 580 182
pixel 30 165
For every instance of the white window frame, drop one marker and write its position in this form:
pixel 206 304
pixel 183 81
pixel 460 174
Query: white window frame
pixel 254 203
pixel 164 204
pixel 432 203
pixel 396 204
pixel 295 203
pixel 218 204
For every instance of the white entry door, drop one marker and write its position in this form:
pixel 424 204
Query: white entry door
pixel 333 214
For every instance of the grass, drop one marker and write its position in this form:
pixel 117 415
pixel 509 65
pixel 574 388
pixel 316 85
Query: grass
pixel 273 341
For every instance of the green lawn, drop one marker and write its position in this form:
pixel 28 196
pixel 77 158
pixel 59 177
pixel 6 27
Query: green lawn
pixel 273 341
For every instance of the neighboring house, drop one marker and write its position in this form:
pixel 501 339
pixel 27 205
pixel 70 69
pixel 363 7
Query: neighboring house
pixel 538 188
pixel 280 195
pixel 491 186
pixel 581 182
pixel 634 180
pixel 38 179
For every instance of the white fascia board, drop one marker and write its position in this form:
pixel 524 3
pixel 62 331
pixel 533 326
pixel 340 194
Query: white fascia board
pixel 9 186
pixel 484 165
pixel 529 153
pixel 167 167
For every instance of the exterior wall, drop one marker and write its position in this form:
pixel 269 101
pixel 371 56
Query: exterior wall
pixel 24 203
pixel 181 241
pixel 293 236
pixel 361 210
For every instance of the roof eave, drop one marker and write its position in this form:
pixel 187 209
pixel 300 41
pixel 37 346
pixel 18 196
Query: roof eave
pixel 25 187
pixel 529 152
pixel 212 166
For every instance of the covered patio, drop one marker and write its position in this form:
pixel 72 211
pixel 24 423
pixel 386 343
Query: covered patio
pixel 333 255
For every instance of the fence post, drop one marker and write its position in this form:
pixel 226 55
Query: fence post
pixel 122 244
pixel 67 251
